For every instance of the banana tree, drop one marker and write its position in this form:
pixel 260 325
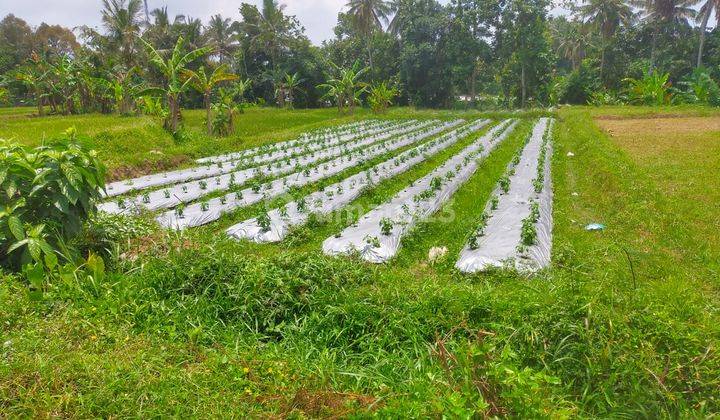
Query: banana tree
pixel 204 83
pixel 34 77
pixel 172 68
pixel 291 84
pixel 121 88
pixel 230 102
pixel 347 87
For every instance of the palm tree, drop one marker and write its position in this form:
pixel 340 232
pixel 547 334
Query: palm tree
pixel 369 16
pixel 122 21
pixel 270 33
pixel 220 34
pixel 570 40
pixel 706 10
pixel 606 16
pixel 204 83
pixel 664 12
pixel 172 68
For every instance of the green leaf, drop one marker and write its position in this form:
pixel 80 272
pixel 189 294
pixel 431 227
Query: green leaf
pixel 16 227
pixel 17 245
pixel 97 265
pixel 51 260
pixel 11 189
pixel 35 249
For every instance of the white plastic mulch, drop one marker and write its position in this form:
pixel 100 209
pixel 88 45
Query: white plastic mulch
pixel 341 133
pixel 202 213
pixel 499 245
pixel 193 190
pixel 339 195
pixel 377 235
pixel 250 157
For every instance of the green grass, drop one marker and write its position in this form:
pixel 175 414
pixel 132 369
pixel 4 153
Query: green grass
pixel 201 325
pixel 138 145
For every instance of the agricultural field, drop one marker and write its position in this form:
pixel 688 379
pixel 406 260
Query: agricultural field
pixel 412 264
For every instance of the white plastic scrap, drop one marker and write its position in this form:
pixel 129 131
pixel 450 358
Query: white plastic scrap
pixel 192 190
pixel 499 245
pixel 262 155
pixel 340 194
pixel 377 235
pixel 205 212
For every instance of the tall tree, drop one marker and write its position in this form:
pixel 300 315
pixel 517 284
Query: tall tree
pixel 525 50
pixel 707 9
pixel 570 40
pixel 369 16
pixel 220 33
pixel 122 20
pixel 606 16
pixel 663 14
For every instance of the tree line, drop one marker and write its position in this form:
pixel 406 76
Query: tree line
pixel 489 53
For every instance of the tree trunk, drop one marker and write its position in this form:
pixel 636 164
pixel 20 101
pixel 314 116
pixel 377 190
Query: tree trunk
pixel 41 109
pixel 172 123
pixel 370 56
pixel 602 60
pixel 703 28
pixel 523 87
pixel 656 33
pixel 208 113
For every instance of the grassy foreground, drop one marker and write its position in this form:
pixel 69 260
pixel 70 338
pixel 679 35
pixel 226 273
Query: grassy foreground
pixel 625 324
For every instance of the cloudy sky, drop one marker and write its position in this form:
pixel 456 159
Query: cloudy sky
pixel 318 16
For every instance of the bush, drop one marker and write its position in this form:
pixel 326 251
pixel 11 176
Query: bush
pixel 577 86
pixel 700 88
pixel 47 194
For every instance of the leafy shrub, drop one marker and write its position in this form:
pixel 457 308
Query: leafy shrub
pixel 577 86
pixel 103 231
pixel 604 97
pixel 47 194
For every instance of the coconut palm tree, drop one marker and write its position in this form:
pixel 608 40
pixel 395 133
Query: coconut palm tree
pixel 707 9
pixel 659 13
pixel 220 33
pixel 271 31
pixel 569 40
pixel 122 20
pixel 172 69
pixel 204 83
pixel 606 16
pixel 369 16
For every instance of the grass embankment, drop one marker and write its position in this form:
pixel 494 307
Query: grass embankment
pixel 132 146
pixel 626 322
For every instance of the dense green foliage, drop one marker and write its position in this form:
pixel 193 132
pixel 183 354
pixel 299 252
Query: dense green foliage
pixel 487 52
pixel 47 194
